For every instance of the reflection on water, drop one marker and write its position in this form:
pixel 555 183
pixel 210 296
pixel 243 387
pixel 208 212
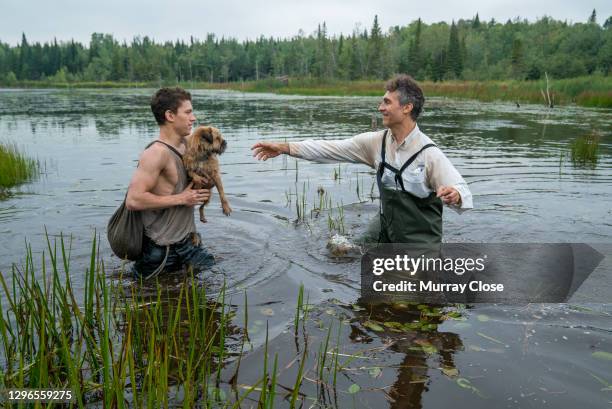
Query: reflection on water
pixel 513 158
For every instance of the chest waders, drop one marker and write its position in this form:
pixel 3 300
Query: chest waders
pixel 404 217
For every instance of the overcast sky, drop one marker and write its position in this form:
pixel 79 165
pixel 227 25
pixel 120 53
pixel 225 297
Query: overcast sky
pixel 172 19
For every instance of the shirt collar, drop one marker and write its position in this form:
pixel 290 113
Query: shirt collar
pixel 412 136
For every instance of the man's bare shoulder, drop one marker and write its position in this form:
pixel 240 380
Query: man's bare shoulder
pixel 155 156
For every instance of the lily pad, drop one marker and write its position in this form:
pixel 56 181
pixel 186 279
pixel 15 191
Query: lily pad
pixel 373 326
pixel 267 311
pixel 393 325
pixel 330 311
pixel 483 318
pixel 426 346
pixel 455 315
pixel 399 306
pixel 354 388
pixel 602 355
pixel 411 326
pixel 375 372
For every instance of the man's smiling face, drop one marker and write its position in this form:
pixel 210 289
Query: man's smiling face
pixel 393 113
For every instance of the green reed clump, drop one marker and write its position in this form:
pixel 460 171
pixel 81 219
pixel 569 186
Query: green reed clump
pixel 113 345
pixel 15 167
pixel 584 150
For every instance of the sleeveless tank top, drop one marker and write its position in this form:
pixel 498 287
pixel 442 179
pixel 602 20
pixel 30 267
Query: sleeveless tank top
pixel 170 225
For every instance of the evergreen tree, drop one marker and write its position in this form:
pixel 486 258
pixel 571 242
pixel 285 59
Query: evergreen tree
pixel 476 22
pixel 375 51
pixel 454 60
pixel 415 57
pixel 438 65
pixel 23 70
pixel 593 18
pixel 517 58
pixel 470 49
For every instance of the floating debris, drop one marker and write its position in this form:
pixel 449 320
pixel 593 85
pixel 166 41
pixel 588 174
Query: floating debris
pixel 340 246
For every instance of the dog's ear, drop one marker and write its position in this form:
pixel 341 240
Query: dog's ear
pixel 207 135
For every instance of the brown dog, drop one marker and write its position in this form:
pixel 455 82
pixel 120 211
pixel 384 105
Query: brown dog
pixel 202 163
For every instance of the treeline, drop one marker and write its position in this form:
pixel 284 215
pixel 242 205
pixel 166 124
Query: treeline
pixel 465 49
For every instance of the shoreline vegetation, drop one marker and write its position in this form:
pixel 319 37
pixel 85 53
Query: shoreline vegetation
pixel 545 61
pixel 586 91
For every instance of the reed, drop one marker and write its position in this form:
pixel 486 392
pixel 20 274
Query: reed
pixel 590 91
pixel 593 90
pixel 584 150
pixel 120 345
pixel 114 345
pixel 15 167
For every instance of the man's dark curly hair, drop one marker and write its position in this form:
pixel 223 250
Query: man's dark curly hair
pixel 409 93
pixel 167 99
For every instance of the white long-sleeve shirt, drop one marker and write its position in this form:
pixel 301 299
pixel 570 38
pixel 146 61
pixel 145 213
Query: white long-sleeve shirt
pixel 430 170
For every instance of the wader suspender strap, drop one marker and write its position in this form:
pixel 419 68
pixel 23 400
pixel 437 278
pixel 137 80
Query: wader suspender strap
pixel 398 173
pixel 163 263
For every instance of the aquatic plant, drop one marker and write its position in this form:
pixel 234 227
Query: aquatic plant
pixel 113 345
pixel 584 150
pixel 15 167
pixel 120 344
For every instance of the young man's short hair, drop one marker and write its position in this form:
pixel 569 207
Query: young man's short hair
pixel 167 99
pixel 409 93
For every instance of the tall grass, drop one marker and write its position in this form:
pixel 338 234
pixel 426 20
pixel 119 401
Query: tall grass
pixel 15 167
pixel 114 345
pixel 585 150
pixel 590 91
pixel 118 346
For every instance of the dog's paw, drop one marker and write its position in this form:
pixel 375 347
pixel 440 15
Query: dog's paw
pixel 226 209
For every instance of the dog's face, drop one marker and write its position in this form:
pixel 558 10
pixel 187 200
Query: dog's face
pixel 207 139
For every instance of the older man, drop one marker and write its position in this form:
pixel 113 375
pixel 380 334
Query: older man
pixel 414 176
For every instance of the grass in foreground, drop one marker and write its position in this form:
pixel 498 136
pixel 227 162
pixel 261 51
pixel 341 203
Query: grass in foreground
pixel 120 346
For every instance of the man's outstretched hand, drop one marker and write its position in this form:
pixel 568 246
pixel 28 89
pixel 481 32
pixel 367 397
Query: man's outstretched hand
pixel 265 150
pixel 449 195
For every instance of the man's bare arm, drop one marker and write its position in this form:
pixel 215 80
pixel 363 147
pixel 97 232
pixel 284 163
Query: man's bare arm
pixel 145 179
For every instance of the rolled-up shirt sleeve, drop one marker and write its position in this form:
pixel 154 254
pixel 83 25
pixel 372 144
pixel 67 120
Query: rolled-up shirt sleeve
pixel 441 172
pixel 358 149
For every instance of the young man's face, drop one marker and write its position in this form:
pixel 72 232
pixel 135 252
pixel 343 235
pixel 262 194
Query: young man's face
pixel 393 113
pixel 183 119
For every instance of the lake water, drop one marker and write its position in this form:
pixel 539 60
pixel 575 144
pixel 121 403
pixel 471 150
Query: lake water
pixel 516 161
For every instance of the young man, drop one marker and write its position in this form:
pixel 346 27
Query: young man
pixel 160 190
pixel 414 177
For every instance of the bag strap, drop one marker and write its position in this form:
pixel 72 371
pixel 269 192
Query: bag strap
pixel 172 148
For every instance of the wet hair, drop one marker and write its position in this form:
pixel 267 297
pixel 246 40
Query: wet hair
pixel 409 93
pixel 167 99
